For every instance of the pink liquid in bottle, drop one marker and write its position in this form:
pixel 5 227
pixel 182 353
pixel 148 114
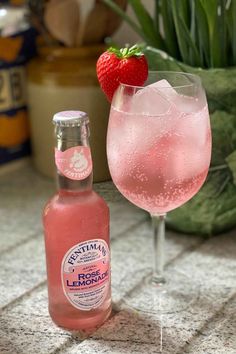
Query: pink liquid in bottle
pixel 76 225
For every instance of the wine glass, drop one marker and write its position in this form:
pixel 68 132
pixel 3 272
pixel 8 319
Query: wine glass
pixel 159 151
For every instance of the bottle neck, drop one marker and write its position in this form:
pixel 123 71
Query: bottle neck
pixel 68 137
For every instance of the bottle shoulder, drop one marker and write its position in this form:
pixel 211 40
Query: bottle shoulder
pixel 66 201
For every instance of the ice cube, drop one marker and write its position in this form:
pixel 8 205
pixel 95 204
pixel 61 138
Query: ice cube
pixel 156 99
pixel 189 104
pixel 154 113
pixel 165 86
pixel 195 126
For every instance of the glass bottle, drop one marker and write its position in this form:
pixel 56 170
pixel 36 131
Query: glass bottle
pixel 76 228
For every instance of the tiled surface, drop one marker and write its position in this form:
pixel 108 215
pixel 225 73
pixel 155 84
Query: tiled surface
pixel 219 333
pixel 21 269
pixel 25 327
pixel 23 195
pixel 207 326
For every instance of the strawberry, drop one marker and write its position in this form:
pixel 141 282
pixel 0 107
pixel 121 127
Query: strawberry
pixel 126 65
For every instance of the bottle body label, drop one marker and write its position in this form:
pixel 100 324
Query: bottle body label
pixel 74 163
pixel 85 274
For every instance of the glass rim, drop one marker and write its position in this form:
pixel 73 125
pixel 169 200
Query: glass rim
pixel 196 78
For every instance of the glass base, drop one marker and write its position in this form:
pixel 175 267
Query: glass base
pixel 177 293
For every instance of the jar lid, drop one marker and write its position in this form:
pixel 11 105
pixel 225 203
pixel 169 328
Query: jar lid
pixel 70 118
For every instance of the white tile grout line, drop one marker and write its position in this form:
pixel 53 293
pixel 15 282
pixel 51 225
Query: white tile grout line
pixel 23 296
pixel 33 236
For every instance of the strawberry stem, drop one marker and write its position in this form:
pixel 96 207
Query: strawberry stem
pixel 125 53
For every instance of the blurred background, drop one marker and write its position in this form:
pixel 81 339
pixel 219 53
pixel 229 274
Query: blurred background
pixel 48 53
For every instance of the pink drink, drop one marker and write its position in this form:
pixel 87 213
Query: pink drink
pixel 71 218
pixel 159 162
pixel 76 225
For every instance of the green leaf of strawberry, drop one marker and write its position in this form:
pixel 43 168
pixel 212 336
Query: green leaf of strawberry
pixel 126 65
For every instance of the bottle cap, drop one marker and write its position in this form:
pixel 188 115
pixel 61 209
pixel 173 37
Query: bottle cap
pixel 70 118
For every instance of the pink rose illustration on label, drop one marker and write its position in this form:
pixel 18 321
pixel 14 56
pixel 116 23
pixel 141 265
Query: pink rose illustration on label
pixel 74 163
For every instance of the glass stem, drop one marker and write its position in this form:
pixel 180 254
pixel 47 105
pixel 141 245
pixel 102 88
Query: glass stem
pixel 158 222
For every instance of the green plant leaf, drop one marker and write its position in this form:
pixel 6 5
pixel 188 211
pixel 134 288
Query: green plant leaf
pixel 221 31
pixel 195 58
pixel 193 19
pixel 231 28
pixel 233 4
pixel 147 25
pixel 157 11
pixel 185 41
pixel 231 161
pixel 214 10
pixel 168 27
pixel 203 32
pixel 183 48
pixel 184 11
pixel 210 8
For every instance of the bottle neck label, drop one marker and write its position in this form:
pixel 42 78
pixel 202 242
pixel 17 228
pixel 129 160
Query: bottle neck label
pixel 74 163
